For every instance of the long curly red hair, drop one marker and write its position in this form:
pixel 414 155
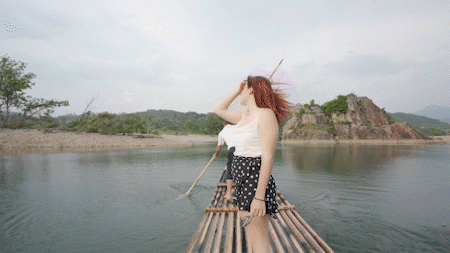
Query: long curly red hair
pixel 266 97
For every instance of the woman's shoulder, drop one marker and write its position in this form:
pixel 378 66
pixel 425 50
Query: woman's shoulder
pixel 266 112
pixel 266 115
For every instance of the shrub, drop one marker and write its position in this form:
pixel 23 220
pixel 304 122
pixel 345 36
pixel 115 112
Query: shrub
pixel 431 131
pixel 300 113
pixel 339 105
pixel 391 119
pixel 332 130
pixel 92 129
pixel 363 109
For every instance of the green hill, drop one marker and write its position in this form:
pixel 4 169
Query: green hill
pixel 150 121
pixel 435 112
pixel 423 124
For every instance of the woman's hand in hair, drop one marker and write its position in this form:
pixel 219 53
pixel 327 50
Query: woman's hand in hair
pixel 242 85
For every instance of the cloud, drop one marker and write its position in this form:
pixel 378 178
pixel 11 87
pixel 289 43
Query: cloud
pixel 186 55
pixel 360 65
pixel 127 99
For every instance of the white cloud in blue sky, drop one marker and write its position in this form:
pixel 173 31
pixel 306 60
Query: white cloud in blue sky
pixel 186 55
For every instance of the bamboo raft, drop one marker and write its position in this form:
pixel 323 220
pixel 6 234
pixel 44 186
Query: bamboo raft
pixel 221 231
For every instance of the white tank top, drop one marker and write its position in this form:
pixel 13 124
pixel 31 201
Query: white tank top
pixel 227 136
pixel 247 139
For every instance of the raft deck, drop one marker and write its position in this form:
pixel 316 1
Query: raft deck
pixel 221 231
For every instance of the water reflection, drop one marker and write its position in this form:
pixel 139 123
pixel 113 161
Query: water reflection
pixel 128 201
pixel 342 159
pixel 12 177
pixel 2 172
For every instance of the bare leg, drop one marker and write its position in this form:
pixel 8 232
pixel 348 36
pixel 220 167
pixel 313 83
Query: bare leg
pixel 258 232
pixel 229 189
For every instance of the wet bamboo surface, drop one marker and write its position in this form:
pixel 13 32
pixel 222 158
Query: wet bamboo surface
pixel 220 229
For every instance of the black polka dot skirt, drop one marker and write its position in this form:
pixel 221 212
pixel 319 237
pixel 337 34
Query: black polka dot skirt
pixel 245 173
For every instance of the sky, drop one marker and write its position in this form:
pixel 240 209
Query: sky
pixel 131 56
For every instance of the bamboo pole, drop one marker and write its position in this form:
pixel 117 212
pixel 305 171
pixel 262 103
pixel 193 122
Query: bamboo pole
pixel 205 230
pixel 313 234
pixel 296 232
pixel 214 196
pixel 282 234
pixel 304 236
pixel 235 209
pixel 276 69
pixel 296 244
pixel 307 235
pixel 212 229
pixel 222 209
pixel 288 223
pixel 271 249
pixel 288 231
pixel 228 247
pixel 218 237
pixel 275 238
pixel 198 178
pixel 222 202
pixel 238 233
pixel 217 197
pixel 196 235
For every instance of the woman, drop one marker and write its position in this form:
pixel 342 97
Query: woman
pixel 256 136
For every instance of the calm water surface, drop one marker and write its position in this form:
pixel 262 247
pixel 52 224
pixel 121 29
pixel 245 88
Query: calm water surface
pixel 358 198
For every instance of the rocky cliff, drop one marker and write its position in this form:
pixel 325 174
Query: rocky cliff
pixel 362 120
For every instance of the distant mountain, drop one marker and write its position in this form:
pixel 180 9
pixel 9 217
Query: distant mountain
pixel 156 114
pixel 170 114
pixel 10 113
pixel 66 118
pixel 441 113
pixel 420 121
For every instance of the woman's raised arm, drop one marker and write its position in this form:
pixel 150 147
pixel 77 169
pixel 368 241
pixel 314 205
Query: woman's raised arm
pixel 221 108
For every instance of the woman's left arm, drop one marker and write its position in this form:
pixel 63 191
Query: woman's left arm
pixel 268 131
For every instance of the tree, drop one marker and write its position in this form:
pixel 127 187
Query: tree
pixel 37 107
pixel 13 83
pixel 147 123
pixel 213 124
pixel 191 125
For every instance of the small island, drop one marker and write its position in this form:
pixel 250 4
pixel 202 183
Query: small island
pixel 348 119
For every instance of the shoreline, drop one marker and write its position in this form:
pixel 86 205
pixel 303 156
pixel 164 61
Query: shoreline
pixel 32 141
pixel 435 140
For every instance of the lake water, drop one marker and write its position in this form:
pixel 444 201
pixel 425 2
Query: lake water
pixel 358 198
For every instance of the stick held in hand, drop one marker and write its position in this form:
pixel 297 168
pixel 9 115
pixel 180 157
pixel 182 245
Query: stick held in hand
pixel 201 174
